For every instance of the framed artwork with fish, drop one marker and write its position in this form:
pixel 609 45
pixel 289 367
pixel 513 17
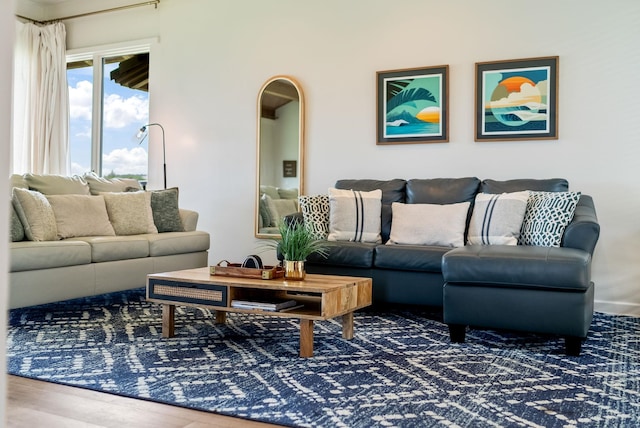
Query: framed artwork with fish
pixel 413 105
pixel 517 99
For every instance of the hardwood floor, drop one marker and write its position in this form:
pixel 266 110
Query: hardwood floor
pixel 33 403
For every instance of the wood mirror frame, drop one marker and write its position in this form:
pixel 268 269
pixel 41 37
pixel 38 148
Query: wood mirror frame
pixel 280 153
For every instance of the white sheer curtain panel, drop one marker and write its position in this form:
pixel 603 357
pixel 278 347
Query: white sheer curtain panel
pixel 41 100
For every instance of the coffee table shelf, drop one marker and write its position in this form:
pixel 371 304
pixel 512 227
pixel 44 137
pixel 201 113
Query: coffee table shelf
pixel 322 296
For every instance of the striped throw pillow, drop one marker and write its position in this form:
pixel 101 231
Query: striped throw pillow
pixel 497 218
pixel 354 215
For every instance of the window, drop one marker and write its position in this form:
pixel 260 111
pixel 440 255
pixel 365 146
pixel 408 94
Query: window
pixel 108 103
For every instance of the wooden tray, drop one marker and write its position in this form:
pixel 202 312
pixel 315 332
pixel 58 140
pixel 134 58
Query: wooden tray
pixel 236 269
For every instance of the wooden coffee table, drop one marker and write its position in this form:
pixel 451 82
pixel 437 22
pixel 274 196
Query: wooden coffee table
pixel 323 297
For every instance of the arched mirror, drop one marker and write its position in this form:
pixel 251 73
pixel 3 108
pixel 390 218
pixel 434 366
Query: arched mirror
pixel 280 151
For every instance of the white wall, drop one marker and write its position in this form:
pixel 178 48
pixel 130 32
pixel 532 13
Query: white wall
pixel 213 57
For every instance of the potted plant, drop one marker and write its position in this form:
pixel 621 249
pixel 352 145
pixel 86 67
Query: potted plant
pixel 296 244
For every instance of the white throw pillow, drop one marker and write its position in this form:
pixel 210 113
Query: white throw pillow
pixel 130 212
pixel 36 215
pixel 80 215
pixel 497 218
pixel 354 215
pixel 428 224
pixel 547 215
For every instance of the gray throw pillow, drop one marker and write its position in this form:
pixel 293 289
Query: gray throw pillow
pixel 17 231
pixel 166 212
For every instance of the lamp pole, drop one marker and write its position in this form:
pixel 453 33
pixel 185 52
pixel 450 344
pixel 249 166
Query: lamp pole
pixel 164 152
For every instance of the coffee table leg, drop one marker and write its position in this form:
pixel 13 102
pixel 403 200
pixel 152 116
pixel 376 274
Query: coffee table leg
pixel 221 317
pixel 347 326
pixel 306 338
pixel 168 320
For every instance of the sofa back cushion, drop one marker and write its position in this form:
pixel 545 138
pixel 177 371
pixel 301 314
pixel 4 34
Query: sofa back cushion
pixel 442 190
pixel 52 184
pixel 508 186
pixel 392 191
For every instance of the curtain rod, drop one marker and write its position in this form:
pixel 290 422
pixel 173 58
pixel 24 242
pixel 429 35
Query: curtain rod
pixel 81 15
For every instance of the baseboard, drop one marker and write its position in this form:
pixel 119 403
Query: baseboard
pixel 618 308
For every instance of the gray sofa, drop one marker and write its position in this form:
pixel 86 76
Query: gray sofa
pixel 520 287
pixel 43 271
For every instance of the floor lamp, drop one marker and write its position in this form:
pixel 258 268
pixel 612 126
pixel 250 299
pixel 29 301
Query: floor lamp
pixel 142 134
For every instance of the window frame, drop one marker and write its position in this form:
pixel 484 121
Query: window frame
pixel 96 54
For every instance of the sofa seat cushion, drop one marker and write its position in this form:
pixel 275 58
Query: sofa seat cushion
pixel 345 253
pixel 419 258
pixel 168 243
pixel 555 268
pixel 30 255
pixel 110 248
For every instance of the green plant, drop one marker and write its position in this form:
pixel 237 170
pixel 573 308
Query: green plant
pixel 297 242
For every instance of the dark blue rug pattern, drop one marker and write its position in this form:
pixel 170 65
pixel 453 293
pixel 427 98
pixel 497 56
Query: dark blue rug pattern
pixel 400 370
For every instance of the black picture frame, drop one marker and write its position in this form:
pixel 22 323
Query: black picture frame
pixel 517 99
pixel 413 105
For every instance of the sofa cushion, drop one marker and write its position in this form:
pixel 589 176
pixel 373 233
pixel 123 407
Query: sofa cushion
pixel 497 218
pixel 354 215
pixel 28 255
pixel 110 248
pixel 345 253
pixel 420 258
pixel 315 214
pixel 392 191
pixel 169 243
pixel 18 180
pixel 546 217
pixel 165 209
pixel 518 266
pixel 265 212
pixel 16 231
pixel 52 184
pixel 442 190
pixel 130 212
pixel 271 191
pixel 80 215
pixel 288 193
pixel 429 224
pixel 99 185
pixel 36 214
pixel 506 186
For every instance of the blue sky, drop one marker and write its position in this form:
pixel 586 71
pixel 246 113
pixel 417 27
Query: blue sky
pixel 125 110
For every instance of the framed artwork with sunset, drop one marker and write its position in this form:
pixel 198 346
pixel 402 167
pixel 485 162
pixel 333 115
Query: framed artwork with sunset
pixel 413 105
pixel 517 99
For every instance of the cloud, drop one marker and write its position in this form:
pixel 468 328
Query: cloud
pixel 80 100
pixel 125 161
pixel 118 111
pixel 528 95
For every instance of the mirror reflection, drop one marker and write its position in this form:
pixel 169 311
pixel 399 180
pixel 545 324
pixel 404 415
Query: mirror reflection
pixel 280 153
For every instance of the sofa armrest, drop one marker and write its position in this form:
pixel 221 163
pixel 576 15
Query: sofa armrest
pixel 584 230
pixel 189 219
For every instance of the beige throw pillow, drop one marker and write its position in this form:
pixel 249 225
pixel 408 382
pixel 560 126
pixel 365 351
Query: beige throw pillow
pixel 80 215
pixel 36 215
pixel 354 215
pixel 130 212
pixel 428 224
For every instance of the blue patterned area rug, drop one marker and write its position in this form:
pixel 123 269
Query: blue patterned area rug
pixel 400 370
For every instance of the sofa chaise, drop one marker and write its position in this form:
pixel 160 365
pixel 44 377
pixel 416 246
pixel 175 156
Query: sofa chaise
pixel 480 281
pixel 80 236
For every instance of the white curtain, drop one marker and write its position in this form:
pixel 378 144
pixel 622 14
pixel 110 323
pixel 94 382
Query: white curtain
pixel 41 100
